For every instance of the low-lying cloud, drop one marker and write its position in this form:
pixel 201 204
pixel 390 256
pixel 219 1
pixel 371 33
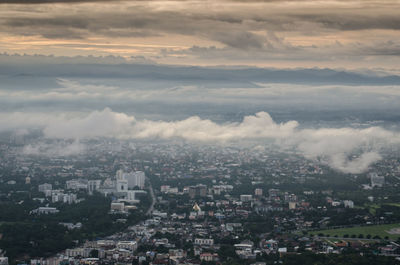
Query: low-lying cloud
pixel 348 150
pixel 62 148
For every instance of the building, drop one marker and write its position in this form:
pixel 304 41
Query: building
pixel 245 250
pixel 164 188
pixel 273 193
pixel 78 252
pixel 258 192
pixel 45 210
pixel 129 245
pixel 209 257
pixel 117 207
pixel 119 174
pixel 57 196
pixel 72 226
pixel 44 187
pixel 197 191
pixel 93 185
pixel 376 180
pixel 76 184
pixel 246 197
pixel 204 241
pixel 122 184
pixel 131 196
pixel 348 204
pixel 3 261
pixel 135 179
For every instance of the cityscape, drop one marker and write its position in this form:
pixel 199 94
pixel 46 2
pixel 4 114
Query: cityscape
pixel 180 203
pixel 200 132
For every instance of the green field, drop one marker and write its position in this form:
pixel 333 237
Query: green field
pixel 373 207
pixel 373 230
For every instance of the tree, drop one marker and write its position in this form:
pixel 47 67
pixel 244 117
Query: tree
pixel 94 253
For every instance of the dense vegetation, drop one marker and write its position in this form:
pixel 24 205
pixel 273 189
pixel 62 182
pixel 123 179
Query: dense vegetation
pixel 26 235
pixel 308 258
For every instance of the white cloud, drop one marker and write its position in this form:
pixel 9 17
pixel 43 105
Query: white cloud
pixel 54 149
pixel 357 165
pixel 258 126
pixel 97 124
pixel 91 94
pixel 348 150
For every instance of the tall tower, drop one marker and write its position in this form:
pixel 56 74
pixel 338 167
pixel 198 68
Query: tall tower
pixel 120 174
pixel 122 185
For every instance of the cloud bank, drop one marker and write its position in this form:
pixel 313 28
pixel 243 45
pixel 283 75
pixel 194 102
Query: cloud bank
pixel 59 148
pixel 305 32
pixel 347 150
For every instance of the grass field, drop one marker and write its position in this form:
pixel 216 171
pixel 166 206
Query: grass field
pixel 373 207
pixel 373 230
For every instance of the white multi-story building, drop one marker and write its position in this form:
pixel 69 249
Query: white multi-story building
pixel 164 188
pixel 122 185
pixel 246 197
pixel 56 198
pixel 131 195
pixel 117 206
pixel 70 198
pixel 376 180
pixel 94 185
pixel 78 252
pixel 348 204
pixel 135 179
pixel 45 210
pixel 119 174
pixel 44 187
pixel 64 198
pixel 129 245
pixel 204 241
pixel 76 184
pixel 3 261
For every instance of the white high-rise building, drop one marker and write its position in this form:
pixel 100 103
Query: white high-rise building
pixel 135 179
pixel 94 185
pixel 376 180
pixel 348 204
pixel 122 185
pixel 44 187
pixel 119 174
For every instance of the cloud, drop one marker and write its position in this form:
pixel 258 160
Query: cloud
pixel 97 124
pixel 348 150
pixel 241 40
pixel 258 30
pixel 354 166
pixel 49 1
pixel 184 91
pixel 57 148
pixel 345 149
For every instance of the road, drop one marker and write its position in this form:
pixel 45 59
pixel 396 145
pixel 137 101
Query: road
pixel 153 198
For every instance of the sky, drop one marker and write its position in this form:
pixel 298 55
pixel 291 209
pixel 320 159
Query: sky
pixel 320 78
pixel 268 33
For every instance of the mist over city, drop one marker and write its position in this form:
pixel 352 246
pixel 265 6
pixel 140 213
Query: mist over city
pixel 199 132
